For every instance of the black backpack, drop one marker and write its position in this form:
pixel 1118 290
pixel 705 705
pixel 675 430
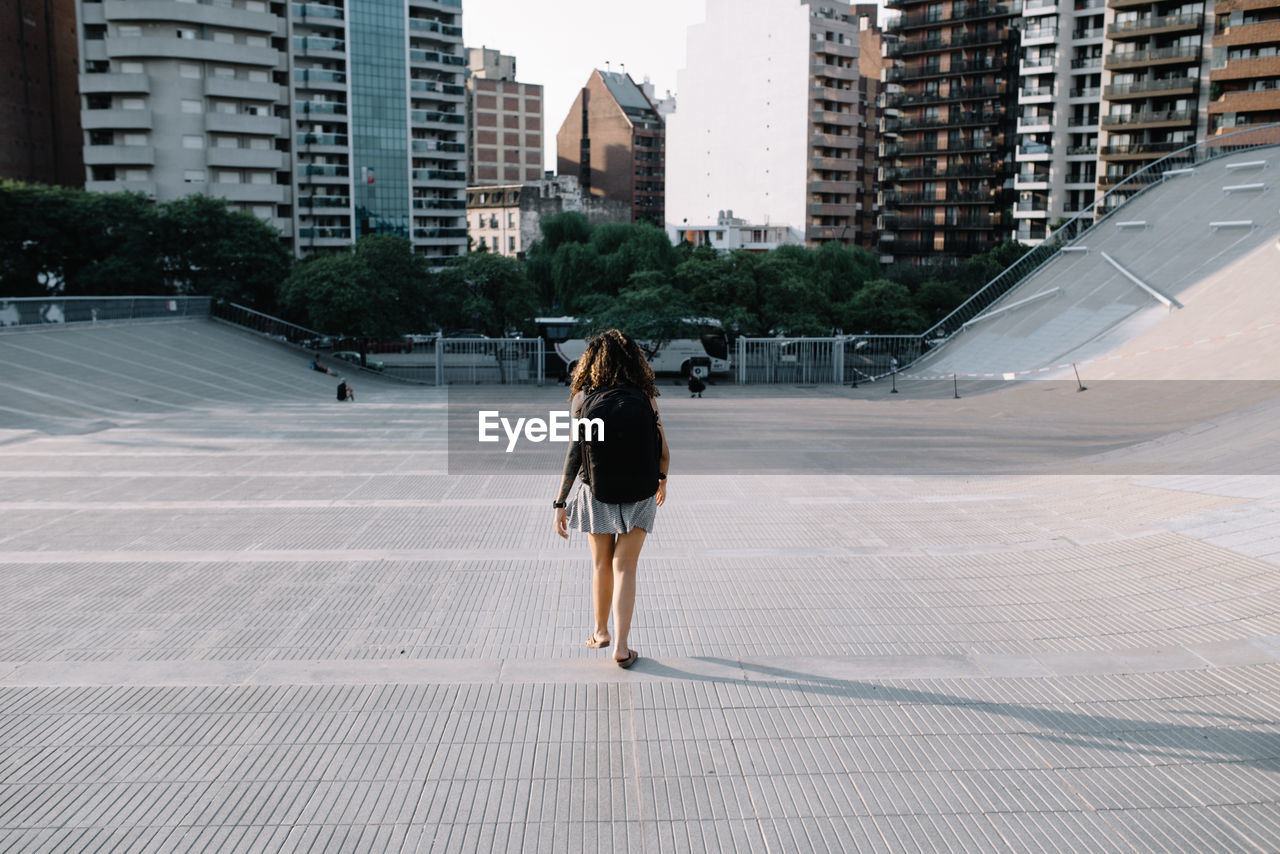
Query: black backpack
pixel 342 391
pixel 623 467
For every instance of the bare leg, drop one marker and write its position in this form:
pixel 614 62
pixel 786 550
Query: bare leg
pixel 626 554
pixel 601 581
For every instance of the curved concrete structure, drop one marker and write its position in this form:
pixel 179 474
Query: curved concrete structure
pixel 234 612
pixel 1212 250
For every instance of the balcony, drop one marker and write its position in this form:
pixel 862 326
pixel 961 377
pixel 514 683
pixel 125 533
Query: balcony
pixel 1086 62
pixel 1089 93
pixel 986 65
pixel 317 10
pixel 1086 33
pixel 1035 94
pixel 954 93
pixel 1083 150
pixel 1161 118
pixel 947 246
pixel 439 233
pixel 115 119
pixel 425 25
pixel 319 108
pixel 959 146
pixel 245 158
pixel 1034 152
pixel 437 58
pixel 431 175
pixel 959 12
pixel 909 47
pixel 981 221
pixel 957 197
pixel 1035 124
pixel 951 173
pixel 1159 56
pixel 1081 178
pixel 1151 25
pixel 317 205
pixel 333 140
pixel 244 90
pixel 435 87
pixel 1140 151
pixel 319 44
pixel 960 119
pixel 274 194
pixel 1031 181
pixel 319 78
pixel 1038 208
pixel 190 13
pixel 119 155
pixel 1039 35
pixel 1142 88
pixel 328 232
pixel 323 170
pixel 433 117
pixel 243 123
pixel 146 188
pixel 191 50
pixel 439 205
pixel 107 84
pixel 1129 4
pixel 427 146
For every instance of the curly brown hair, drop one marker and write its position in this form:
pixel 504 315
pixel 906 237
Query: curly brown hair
pixel 613 357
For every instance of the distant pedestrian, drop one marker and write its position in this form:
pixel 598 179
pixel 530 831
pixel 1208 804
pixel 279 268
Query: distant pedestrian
pixel 316 366
pixel 623 483
pixel 346 392
pixel 696 385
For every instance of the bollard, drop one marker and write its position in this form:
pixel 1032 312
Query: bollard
pixel 955 386
pixel 893 378
pixel 1078 383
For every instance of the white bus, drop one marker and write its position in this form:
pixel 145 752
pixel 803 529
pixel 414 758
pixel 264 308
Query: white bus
pixel 705 355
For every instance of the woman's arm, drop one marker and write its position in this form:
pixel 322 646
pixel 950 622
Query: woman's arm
pixel 664 457
pixel 572 456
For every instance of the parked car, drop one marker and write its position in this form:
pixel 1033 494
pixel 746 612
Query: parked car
pixel 324 342
pixel 354 358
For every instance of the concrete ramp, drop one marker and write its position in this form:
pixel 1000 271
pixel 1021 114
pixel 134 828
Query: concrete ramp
pixel 84 378
pixel 1194 257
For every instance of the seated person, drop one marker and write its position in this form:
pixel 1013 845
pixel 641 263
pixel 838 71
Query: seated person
pixel 346 392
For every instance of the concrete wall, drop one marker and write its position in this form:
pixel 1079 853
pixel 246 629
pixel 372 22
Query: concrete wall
pixel 747 79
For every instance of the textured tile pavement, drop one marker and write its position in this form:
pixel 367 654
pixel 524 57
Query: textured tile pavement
pixel 265 627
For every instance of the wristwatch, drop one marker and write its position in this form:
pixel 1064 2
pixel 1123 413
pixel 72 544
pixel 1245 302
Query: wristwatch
pixel 559 505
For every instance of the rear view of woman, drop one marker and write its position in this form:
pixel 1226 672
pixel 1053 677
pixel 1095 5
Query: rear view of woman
pixel 624 478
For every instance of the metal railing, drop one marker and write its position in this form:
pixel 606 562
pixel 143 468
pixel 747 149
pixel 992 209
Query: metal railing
pixel 268 326
pixel 54 310
pixel 1095 214
pixel 830 360
pixel 503 361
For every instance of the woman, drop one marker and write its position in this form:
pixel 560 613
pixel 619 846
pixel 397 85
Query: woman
pixel 616 531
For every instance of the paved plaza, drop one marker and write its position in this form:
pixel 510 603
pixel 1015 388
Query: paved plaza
pixel 237 615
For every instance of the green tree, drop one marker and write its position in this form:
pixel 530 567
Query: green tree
pixel 489 292
pixel 883 307
pixel 208 250
pixel 378 289
pixel 650 311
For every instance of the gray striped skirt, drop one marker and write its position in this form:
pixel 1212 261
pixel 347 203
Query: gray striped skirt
pixel 590 516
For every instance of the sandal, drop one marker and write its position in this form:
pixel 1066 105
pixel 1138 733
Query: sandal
pixel 594 643
pixel 632 658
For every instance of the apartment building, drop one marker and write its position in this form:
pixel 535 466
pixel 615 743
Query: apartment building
pixel 1059 92
pixel 949 128
pixel 777 120
pixel 1155 60
pixel 1244 80
pixel 614 142
pixel 507 219
pixel 39 107
pixel 504 121
pixel 331 120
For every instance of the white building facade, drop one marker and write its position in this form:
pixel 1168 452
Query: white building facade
pixel 771 119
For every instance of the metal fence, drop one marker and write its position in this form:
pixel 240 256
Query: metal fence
pixel 45 311
pixel 871 357
pixel 271 327
pixel 502 361
pixel 800 361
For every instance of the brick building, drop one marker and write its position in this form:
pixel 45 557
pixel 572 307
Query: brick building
pixel 613 141
pixel 505 121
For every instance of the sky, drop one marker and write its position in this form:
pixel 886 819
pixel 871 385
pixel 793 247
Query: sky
pixel 557 43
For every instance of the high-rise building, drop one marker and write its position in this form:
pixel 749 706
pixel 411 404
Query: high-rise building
pixel 1059 92
pixel 1244 80
pixel 331 119
pixel 776 119
pixel 39 109
pixel 1154 59
pixel 613 142
pixel 504 120
pixel 948 131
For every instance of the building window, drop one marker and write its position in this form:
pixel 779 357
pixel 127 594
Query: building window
pixel 191 106
pixel 188 70
pixel 191 141
pixel 194 176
